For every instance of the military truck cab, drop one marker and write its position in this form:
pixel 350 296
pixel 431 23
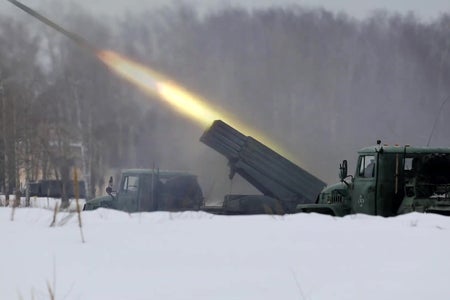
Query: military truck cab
pixel 390 180
pixel 152 190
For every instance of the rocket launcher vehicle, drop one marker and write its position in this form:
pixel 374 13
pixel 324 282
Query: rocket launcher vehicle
pixel 283 184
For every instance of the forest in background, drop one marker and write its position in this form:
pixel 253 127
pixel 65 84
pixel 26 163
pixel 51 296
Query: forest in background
pixel 321 84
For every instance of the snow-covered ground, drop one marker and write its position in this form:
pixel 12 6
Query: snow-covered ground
pixel 195 255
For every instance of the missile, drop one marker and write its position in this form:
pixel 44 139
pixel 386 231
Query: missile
pixel 73 36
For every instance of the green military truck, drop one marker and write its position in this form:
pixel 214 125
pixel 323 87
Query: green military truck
pixel 388 181
pixel 151 190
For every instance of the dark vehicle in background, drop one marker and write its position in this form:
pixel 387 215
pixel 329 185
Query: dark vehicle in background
pixel 53 188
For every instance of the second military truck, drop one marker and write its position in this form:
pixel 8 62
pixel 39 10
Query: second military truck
pixel 151 190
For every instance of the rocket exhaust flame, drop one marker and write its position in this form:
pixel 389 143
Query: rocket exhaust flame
pixel 154 83
pixel 178 97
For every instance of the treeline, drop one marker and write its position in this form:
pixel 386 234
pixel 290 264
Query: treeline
pixel 322 84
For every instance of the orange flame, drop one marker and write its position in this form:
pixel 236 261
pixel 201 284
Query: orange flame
pixel 151 82
pixel 178 97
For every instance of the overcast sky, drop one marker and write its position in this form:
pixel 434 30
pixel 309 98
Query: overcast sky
pixel 425 9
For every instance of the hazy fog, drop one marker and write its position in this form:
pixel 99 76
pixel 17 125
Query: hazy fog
pixel 321 84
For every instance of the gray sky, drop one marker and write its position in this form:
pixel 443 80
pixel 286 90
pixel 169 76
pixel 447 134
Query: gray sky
pixel 357 8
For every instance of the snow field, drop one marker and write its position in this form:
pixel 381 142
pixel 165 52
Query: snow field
pixel 195 255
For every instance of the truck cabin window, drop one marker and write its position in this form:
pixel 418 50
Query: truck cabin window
pixel 366 166
pixel 130 184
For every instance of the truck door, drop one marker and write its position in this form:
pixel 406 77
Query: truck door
pixel 147 193
pixel 364 183
pixel 128 193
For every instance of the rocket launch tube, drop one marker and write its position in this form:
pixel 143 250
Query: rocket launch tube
pixel 73 36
